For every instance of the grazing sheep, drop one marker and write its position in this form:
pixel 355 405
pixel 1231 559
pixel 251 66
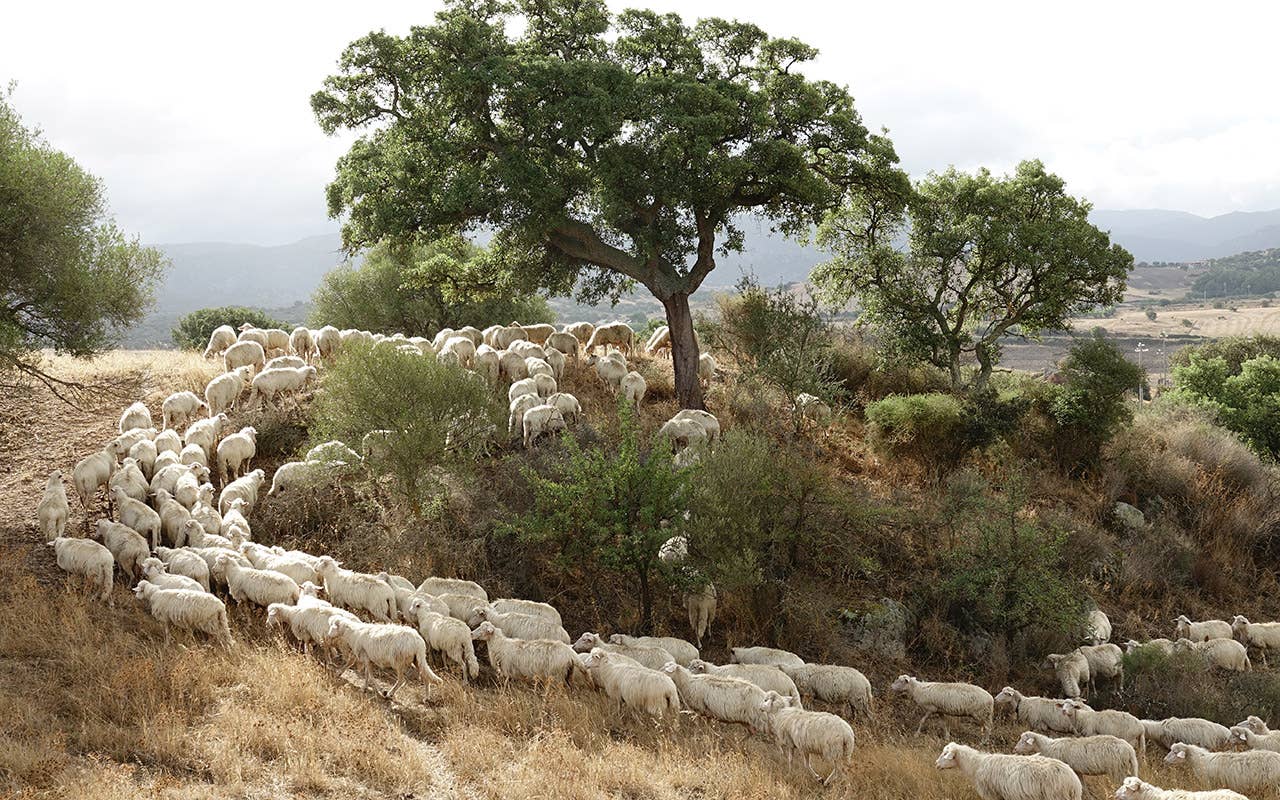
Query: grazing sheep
pixel 296 569
pixel 301 343
pixel 233 519
pixel 1072 670
pixel 581 331
pixel 53 509
pixel 564 343
pixel 487 363
pixel 235 453
pixel 186 608
pixel 532 607
pixel 659 342
pixel 1105 661
pixel 1225 654
pixel 391 646
pixel 168 440
pixel 328 341
pixel 523 626
pixel 633 388
pixel 89 560
pixel 996 776
pixel 279 381
pixel 357 590
pixel 706 368
pixel 1097 627
pixel 296 475
pixel 706 419
pixel 180 407
pixel 221 393
pixel 637 687
pixel 1038 713
pixel 1192 730
pixel 135 416
pixel 567 404
pixel 220 339
pixel 144 455
pixel 528 659
pixel 611 369
pixel 251 333
pixel 538 366
pixel 1254 740
pixel 682 433
pixel 539 332
pixel 1135 788
pixel 832 684
pixel 257 586
pixel 129 477
pixel 243 488
pixel 405 598
pixel 540 420
pixel 173 520
pixel 122 443
pixel 210 556
pixel 1262 635
pixel 205 432
pixel 93 471
pixel 617 334
pixel 137 515
pixel 1087 722
pixel 719 697
pixel 446 635
pixel 1201 631
pixel 1248 771
pixel 512 366
pixel 515 424
pixel 186 489
pixel 333 451
pixel 1087 755
pixel 1164 646
pixel 193 454
pixel 764 655
pixel 767 677
pixel 701 606
pixel 436 586
pixel 810 408
pixel 180 561
pixel 127 546
pixel 309 622
pixel 644 655
pixel 546 385
pixel 525 386
pixel 813 733
pixel 948 700
pixel 244 354
pixel 155 572
pixel 682 652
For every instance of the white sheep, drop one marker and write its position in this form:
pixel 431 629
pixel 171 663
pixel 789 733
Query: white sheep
pixel 92 471
pixel 173 520
pixel 278 382
pixel 541 660
pixel 235 453
pixel 659 341
pixel 546 385
pixel 53 510
pixel 487 363
pixel 682 433
pixel 1087 755
pixel 611 369
pixel 121 444
pixel 328 341
pixel 387 645
pixel 251 333
pixel 446 635
pixel 617 334
pixel 144 455
pixel 1134 788
pixel 564 343
pixel 1097 627
pixel 701 605
pixel 180 407
pixel 88 559
pixel 764 655
pixel 682 652
pixel 643 689
pixel 644 655
pixel 1191 730
pixel 1105 661
pixel 538 366
pixel 1266 740
pixel 540 420
pixel 1248 771
pixel 1164 646
pixel 1201 631
pixel 706 368
pixel 296 569
pixel 137 515
pixel 1225 654
pixel 222 392
pixel 193 454
pixel 1262 635
pixel 524 386
pixel 205 432
pixel 706 419
pixel 811 408
pixel 301 343
pixel 1072 670
pixel 156 572
pixel 948 700
pixel 357 590
pixel 135 416
pixel 767 677
pixel 168 440
pixel 186 489
pixel 257 586
pixel 186 608
pixel 220 339
pixel 210 556
pixel 511 365
pixel 567 404
pixel 812 733
pixel 523 626
pixel 296 475
pixel 1038 713
pixel 508 605
pixel 996 776
pixel 580 330
pixel 127 546
pixel 234 519
pixel 1087 722
pixel 309 622
pixel 832 683
pixel 731 700
pixel 633 388
pixel 462 347
pixel 243 488
pixel 437 586
pixel 180 561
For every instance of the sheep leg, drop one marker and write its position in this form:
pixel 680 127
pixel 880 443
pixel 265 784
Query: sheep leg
pixel 920 727
pixel 809 766
pixel 834 769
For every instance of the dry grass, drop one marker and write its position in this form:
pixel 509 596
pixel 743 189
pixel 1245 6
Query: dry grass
pixel 1210 323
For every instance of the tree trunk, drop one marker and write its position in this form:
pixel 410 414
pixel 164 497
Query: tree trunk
pixel 684 351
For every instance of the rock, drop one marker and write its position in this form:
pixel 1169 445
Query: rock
pixel 881 628
pixel 1131 518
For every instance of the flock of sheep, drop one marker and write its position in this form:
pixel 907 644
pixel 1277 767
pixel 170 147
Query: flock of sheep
pixel 183 553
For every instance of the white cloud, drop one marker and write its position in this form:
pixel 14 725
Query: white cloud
pixel 199 122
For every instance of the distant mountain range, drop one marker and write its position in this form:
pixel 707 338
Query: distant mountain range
pixel 219 273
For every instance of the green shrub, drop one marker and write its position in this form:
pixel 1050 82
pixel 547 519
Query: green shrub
pixel 193 330
pixel 1151 314
pixel 1158 686
pixel 927 428
pixel 439 416
pixel 1247 401
pixel 1093 402
pixel 1233 350
pixel 867 375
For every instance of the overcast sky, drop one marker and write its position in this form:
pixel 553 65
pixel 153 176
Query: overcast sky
pixel 197 116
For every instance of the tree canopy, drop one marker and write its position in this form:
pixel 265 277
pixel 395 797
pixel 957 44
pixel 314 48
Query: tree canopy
pixel 604 151
pixel 193 330
pixel 70 280
pixel 985 257
pixel 420 287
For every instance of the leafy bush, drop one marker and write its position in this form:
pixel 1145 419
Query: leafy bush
pixel 1092 403
pixel 419 288
pixel 193 330
pixel 1234 350
pixel 1158 686
pixel 438 416
pixel 1151 314
pixel 609 509
pixel 868 375
pixel 1247 402
pixel 927 428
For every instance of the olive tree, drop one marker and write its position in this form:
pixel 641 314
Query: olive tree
pixel 602 151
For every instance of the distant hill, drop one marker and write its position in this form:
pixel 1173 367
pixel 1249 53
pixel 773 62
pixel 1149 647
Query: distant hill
pixel 1158 235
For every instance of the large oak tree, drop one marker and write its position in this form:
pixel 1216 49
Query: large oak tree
pixel 603 151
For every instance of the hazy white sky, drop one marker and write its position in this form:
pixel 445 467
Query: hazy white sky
pixel 197 115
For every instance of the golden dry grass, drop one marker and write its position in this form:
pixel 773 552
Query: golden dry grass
pixel 1210 323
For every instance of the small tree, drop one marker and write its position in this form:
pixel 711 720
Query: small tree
pixel 610 509
pixel 193 330
pixel 70 280
pixel 1092 402
pixel 1247 402
pixel 986 258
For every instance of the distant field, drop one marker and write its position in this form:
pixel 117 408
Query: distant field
pixel 1208 322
